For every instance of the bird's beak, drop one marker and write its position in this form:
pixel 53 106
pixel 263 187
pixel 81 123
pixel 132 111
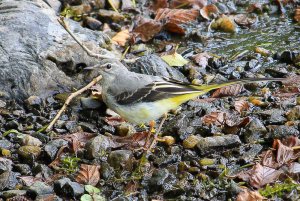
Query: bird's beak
pixel 91 67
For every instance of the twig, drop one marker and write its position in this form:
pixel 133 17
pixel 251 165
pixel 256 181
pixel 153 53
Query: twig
pixel 69 99
pixel 157 132
pixel 89 52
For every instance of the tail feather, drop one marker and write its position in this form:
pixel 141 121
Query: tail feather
pixel 210 87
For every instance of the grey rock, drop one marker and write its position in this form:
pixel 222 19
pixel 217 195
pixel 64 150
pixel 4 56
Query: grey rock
pixel 90 103
pixel 97 146
pixel 13 193
pixel 39 188
pixel 281 131
pixel 217 143
pixel 48 197
pixel 33 45
pixel 53 146
pixel 66 187
pixel 158 179
pixel 5 165
pixel 249 156
pixel 154 65
pixel 33 101
pixel 8 180
pixel 24 169
pixel 254 130
pixel 5 144
pixel 120 159
pixel 42 169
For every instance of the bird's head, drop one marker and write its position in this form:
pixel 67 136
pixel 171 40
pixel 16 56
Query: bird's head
pixel 109 68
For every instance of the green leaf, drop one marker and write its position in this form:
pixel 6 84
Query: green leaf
pixel 86 197
pixel 175 59
pixel 91 189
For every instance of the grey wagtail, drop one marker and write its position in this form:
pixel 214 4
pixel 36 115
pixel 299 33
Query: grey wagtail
pixel 140 98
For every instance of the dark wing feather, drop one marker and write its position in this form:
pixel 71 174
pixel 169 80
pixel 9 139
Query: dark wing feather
pixel 155 91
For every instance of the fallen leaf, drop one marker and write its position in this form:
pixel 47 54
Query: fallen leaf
pixel 247 195
pixel 262 175
pixel 174 59
pixel 256 7
pixel 217 118
pixel 121 37
pixel 262 51
pixel 174 19
pixel 202 59
pixel 159 4
pixel 88 174
pixel 78 140
pixel 136 140
pixel 268 159
pixel 241 105
pixel 146 29
pixel 208 12
pixel 197 4
pixel 297 14
pixel 284 153
pixel 245 20
pixel 231 90
pixel 294 168
pixel 291 141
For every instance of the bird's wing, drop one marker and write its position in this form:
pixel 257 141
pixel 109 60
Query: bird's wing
pixel 159 89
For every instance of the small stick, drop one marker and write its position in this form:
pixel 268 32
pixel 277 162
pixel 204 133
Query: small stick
pixel 89 52
pixel 69 99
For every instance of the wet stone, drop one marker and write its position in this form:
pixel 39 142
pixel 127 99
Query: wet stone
pixel 120 159
pixel 92 23
pixel 13 193
pixel 97 146
pixel 250 155
pixel 5 144
pixel 29 140
pixel 71 126
pixel 161 179
pixel 42 169
pixel 213 144
pixel 39 188
pixel 66 187
pixel 53 146
pixel 106 172
pixel 29 152
pixel 154 65
pixel 254 130
pixel 24 169
pixel 125 129
pixel 33 101
pixel 11 125
pixel 5 165
pixel 8 180
pixel 90 103
pixel 281 131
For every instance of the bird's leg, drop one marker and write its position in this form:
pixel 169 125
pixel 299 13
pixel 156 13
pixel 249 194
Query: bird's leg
pixel 157 132
pixel 151 130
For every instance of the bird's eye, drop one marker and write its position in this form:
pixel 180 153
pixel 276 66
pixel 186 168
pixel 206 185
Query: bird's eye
pixel 108 66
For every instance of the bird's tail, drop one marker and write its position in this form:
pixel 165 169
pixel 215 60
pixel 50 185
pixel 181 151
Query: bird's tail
pixel 210 87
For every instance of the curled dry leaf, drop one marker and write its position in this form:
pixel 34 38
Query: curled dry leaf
pixel 231 90
pixel 297 14
pixel 78 140
pixel 262 175
pixel 202 59
pixel 174 19
pixel 208 12
pixel 88 174
pixel 245 20
pixel 121 38
pixel 146 29
pixel 241 105
pixel 247 195
pixel 217 118
pixel 284 153
pixel 197 4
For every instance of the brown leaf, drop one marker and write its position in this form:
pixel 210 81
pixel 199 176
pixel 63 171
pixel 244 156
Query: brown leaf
pixel 284 154
pixel 262 175
pixel 245 20
pixel 241 105
pixel 256 7
pixel 247 195
pixel 297 14
pixel 88 174
pixel 159 4
pixel 231 90
pixel 131 187
pixel 78 140
pixel 197 4
pixel 294 168
pixel 291 141
pixel 136 140
pixel 174 19
pixel 209 11
pixel 122 37
pixel 202 59
pixel 268 159
pixel 146 29
pixel 217 118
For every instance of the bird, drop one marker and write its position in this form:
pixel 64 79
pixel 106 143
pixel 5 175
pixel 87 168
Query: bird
pixel 140 98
